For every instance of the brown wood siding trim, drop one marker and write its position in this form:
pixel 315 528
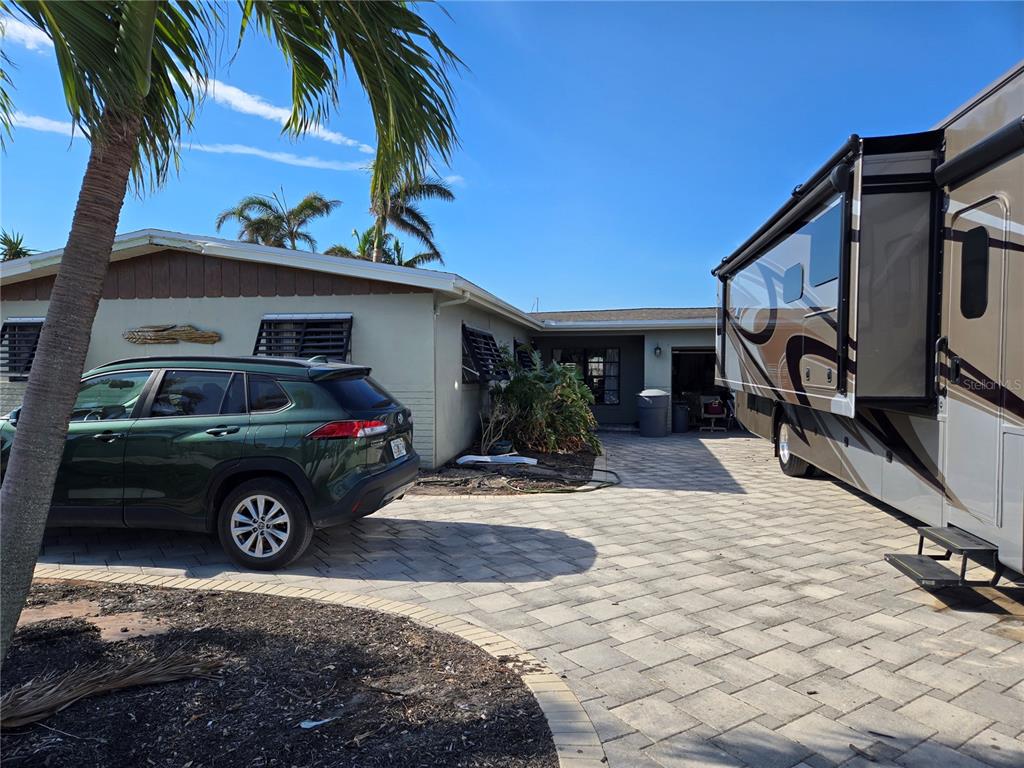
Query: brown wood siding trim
pixel 180 274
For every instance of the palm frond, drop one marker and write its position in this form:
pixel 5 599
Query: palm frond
pixel 311 207
pixel 399 59
pixel 342 250
pixel 142 59
pixel 305 237
pixel 429 188
pixel 424 258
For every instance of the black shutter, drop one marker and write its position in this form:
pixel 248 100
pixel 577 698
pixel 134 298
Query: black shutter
pixel 18 342
pixel 484 352
pixel 524 354
pixel 304 336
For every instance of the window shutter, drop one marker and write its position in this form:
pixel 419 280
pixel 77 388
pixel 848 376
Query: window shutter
pixel 483 351
pixel 19 338
pixel 524 354
pixel 304 336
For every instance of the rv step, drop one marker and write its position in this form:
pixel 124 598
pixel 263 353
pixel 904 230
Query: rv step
pixel 926 571
pixel 957 541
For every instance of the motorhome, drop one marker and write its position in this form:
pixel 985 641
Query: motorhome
pixel 873 329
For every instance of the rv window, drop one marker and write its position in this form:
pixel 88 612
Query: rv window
pixel 826 233
pixel 793 283
pixel 974 273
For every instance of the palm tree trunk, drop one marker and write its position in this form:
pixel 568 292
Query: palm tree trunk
pixel 60 357
pixel 378 237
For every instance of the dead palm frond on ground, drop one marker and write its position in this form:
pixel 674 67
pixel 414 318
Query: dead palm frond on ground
pixel 47 695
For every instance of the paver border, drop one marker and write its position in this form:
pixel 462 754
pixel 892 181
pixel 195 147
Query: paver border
pixel 576 741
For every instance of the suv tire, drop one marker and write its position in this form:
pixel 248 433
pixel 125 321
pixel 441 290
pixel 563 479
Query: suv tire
pixel 790 463
pixel 263 525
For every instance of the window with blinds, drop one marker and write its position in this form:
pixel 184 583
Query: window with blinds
pixel 19 338
pixel 305 336
pixel 481 358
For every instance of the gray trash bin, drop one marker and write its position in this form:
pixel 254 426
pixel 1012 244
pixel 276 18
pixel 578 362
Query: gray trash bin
pixel 680 417
pixel 652 406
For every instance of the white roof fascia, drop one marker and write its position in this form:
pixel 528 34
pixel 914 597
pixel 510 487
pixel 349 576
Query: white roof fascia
pixel 147 240
pixel 629 325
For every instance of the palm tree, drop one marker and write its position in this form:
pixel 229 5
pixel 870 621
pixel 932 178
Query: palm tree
pixel 269 220
pixel 399 209
pixel 132 75
pixel 364 247
pixel 390 250
pixel 13 246
pixel 424 257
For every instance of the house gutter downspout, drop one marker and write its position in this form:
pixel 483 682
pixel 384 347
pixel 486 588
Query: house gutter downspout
pixel 450 303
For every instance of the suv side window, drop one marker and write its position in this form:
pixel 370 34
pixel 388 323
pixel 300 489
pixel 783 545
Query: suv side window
pixel 265 394
pixel 110 396
pixel 190 393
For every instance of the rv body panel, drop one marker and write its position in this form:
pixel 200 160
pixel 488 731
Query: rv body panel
pixel 926 346
pixel 983 323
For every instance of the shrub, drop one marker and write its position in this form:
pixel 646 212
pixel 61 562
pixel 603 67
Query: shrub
pixel 545 407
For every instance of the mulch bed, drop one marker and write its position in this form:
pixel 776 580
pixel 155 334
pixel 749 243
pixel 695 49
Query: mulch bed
pixel 553 472
pixel 402 695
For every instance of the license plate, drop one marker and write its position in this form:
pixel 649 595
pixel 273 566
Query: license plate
pixel 398 448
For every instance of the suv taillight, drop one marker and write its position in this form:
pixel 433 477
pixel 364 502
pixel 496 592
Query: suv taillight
pixel 334 430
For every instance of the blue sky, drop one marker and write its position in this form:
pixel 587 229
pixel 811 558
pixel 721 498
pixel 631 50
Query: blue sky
pixel 611 154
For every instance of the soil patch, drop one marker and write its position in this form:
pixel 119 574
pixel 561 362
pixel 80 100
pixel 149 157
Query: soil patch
pixel 553 472
pixel 381 690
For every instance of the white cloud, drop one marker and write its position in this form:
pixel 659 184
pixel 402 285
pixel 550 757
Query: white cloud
pixel 455 180
pixel 64 128
pixel 250 104
pixel 45 124
pixel 288 158
pixel 24 34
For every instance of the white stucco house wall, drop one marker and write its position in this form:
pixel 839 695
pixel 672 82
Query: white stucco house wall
pixel 408 325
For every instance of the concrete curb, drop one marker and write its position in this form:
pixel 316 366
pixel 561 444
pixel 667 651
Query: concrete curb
pixel 576 741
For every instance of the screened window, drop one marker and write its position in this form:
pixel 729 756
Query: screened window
pixel 265 394
pixel 974 273
pixel 305 336
pixel 481 358
pixel 18 340
pixel 190 393
pixel 826 233
pixel 793 283
pixel 110 396
pixel 599 368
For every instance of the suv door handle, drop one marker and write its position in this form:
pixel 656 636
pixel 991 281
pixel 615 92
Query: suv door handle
pixel 108 436
pixel 221 431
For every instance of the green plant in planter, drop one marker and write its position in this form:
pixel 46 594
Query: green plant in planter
pixel 549 407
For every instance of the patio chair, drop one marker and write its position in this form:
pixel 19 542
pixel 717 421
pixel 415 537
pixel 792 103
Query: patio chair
pixel 712 411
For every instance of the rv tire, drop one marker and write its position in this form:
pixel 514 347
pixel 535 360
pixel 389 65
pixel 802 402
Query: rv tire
pixel 790 463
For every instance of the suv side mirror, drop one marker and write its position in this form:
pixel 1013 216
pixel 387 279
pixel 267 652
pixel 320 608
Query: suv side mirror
pixel 13 416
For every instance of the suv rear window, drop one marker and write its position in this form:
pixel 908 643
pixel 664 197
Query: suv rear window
pixel 359 393
pixel 265 394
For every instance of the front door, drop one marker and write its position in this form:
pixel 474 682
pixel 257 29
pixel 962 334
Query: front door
pixel 89 489
pixel 975 366
pixel 195 423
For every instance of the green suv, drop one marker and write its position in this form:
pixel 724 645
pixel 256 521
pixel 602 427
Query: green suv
pixel 261 450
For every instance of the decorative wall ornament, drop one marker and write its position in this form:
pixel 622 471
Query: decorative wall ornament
pixel 169 334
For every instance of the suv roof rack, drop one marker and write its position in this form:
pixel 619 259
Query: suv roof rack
pixel 293 362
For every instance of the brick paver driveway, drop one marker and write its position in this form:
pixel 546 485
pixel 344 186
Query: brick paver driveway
pixel 710 611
